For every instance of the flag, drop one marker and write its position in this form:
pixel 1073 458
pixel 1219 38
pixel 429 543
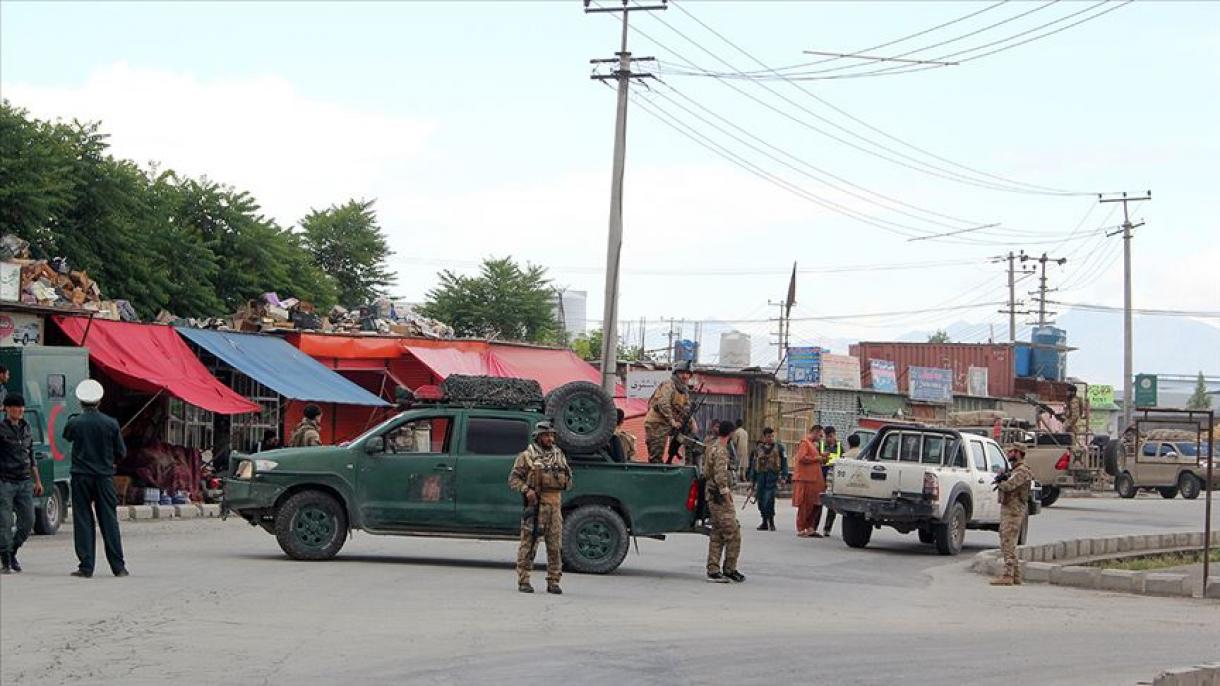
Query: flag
pixel 792 288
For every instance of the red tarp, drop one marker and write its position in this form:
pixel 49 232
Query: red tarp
pixel 446 361
pixel 719 385
pixel 151 358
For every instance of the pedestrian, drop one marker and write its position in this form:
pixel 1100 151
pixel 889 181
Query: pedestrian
pixel 625 439
pixel 741 450
pixel 270 441
pixel 4 376
pixel 808 484
pixel 541 474
pixel 725 536
pixel 97 443
pixel 1013 486
pixel 309 431
pixel 853 447
pixel 668 412
pixel 19 481
pixel 768 467
pixel 831 449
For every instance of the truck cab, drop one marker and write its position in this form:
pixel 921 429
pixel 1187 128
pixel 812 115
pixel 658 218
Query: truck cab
pixel 1169 462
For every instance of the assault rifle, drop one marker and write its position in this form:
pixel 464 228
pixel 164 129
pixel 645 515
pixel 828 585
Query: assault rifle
pixel 750 496
pixel 684 435
pixel 535 482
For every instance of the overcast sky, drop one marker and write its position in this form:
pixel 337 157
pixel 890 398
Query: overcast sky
pixel 477 130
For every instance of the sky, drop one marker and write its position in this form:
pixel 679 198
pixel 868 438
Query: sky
pixel 477 130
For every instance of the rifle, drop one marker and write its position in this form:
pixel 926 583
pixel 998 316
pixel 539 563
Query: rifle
pixel 683 435
pixel 534 480
pixel 749 496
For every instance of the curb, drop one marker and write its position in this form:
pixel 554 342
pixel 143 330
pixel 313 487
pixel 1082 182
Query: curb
pixel 141 513
pixel 1199 675
pixel 1065 563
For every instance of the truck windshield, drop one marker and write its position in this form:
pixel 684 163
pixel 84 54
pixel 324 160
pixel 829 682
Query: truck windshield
pixel 370 432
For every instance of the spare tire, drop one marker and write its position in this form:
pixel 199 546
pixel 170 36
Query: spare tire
pixel 1109 457
pixel 583 416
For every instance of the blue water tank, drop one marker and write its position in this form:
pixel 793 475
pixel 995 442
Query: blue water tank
pixel 1047 361
pixel 1024 362
pixel 686 351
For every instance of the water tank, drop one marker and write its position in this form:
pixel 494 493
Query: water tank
pixel 686 351
pixel 1024 360
pixel 1047 362
pixel 734 349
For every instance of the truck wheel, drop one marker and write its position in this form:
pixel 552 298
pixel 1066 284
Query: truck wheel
pixel 311 525
pixel 1049 495
pixel 1125 486
pixel 48 518
pixel 926 535
pixel 1168 492
pixel 1190 486
pixel 594 540
pixel 952 533
pixel 1109 461
pixel 583 415
pixel 856 531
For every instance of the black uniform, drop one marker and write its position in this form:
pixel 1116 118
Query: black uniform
pixel 16 485
pixel 96 443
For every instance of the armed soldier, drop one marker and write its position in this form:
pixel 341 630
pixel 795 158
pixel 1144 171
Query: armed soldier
pixel 668 412
pixel 768 467
pixel 726 532
pixel 541 474
pixel 1072 415
pixel 1013 486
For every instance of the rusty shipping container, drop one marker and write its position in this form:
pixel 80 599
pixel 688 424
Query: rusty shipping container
pixel 959 357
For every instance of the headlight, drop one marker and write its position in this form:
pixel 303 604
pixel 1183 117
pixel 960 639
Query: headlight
pixel 245 470
pixel 265 465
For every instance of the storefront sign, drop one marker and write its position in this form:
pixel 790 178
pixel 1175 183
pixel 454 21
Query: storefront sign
pixel 1101 397
pixel 10 281
pixel 885 378
pixel 805 366
pixel 642 383
pixel 976 381
pixel 1145 390
pixel 20 329
pixel 840 371
pixel 931 384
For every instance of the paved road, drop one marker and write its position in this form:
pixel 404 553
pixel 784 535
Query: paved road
pixel 213 602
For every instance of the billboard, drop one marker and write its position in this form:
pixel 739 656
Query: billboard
pixel 931 384
pixel 884 375
pixel 805 366
pixel 840 371
pixel 976 381
pixel 20 329
pixel 1145 390
pixel 641 383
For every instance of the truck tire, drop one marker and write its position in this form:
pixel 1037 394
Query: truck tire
pixel 926 535
pixel 952 532
pixel 47 519
pixel 1109 457
pixel 1049 495
pixel 311 525
pixel 1168 492
pixel 583 414
pixel 1125 486
pixel 594 540
pixel 856 531
pixel 1190 486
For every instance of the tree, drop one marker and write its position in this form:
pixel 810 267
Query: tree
pixel 347 243
pixel 941 336
pixel 1199 400
pixel 589 347
pixel 505 301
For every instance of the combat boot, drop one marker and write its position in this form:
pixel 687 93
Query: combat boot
pixel 13 563
pixel 554 589
pixel 525 588
pixel 4 568
pixel 1003 581
pixel 771 522
pixel 763 526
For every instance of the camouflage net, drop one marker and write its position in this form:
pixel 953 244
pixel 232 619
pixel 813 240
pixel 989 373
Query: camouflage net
pixel 492 391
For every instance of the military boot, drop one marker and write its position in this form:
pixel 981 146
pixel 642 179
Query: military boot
pixel 4 568
pixel 771 522
pixel 763 526
pixel 525 588
pixel 13 563
pixel 1003 581
pixel 554 589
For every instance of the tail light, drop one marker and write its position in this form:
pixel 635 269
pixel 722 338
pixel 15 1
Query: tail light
pixel 1064 460
pixel 692 498
pixel 931 487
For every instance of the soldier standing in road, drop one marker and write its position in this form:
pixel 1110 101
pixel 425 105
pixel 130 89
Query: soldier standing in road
pixel 541 474
pixel 766 470
pixel 97 442
pixel 726 532
pixel 1072 415
pixel 667 411
pixel 19 481
pixel 1013 486
pixel 309 431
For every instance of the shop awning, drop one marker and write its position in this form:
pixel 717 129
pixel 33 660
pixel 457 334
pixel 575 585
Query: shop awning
pixel 719 385
pixel 277 365
pixel 881 405
pixel 446 361
pixel 151 358
pixel 347 347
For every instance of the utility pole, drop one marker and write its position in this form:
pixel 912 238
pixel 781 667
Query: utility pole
pixel 614 243
pixel 1012 311
pixel 1128 372
pixel 781 343
pixel 1042 288
pixel 643 337
pixel 669 356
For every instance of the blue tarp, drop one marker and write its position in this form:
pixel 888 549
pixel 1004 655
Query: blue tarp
pixel 279 366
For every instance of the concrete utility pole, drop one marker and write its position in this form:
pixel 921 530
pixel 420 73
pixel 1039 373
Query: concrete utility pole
pixel 1042 289
pixel 1128 352
pixel 1012 311
pixel 614 243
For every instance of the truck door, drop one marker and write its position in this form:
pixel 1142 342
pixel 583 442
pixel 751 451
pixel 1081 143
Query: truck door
pixel 1157 465
pixel 986 502
pixel 406 477
pixel 489 448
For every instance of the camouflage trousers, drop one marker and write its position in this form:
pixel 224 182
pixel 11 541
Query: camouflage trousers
pixel 655 436
pixel 550 530
pixel 725 538
pixel 1010 532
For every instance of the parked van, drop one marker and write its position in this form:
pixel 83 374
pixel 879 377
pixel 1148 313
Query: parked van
pixel 47 376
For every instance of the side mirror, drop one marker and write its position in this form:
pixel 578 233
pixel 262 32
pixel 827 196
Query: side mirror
pixel 375 445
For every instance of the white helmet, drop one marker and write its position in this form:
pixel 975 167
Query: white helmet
pixel 89 392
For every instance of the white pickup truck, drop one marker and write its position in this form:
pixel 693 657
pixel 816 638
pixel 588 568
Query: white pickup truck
pixel 936 481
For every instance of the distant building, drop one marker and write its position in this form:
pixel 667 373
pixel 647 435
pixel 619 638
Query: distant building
pixel 570 311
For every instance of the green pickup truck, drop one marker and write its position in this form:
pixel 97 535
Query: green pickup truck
pixel 442 471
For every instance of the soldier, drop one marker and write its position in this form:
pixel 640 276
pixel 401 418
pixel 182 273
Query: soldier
pixel 668 410
pixel 726 532
pixel 767 469
pixel 1013 486
pixel 309 432
pixel 541 474
pixel 625 439
pixel 1072 415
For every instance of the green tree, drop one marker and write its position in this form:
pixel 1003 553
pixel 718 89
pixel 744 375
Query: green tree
pixel 1199 400
pixel 589 347
pixel 347 243
pixel 504 301
pixel 941 336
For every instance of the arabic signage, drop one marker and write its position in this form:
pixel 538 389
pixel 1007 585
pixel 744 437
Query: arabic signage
pixel 885 377
pixel 931 384
pixel 805 366
pixel 1101 397
pixel 642 383
pixel 976 381
pixel 840 371
pixel 20 329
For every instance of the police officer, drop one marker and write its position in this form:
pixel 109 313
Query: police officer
pixel 726 531
pixel 19 481
pixel 1013 486
pixel 97 442
pixel 667 411
pixel 541 474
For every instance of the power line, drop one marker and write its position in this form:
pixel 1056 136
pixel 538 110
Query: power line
pixel 848 317
pixel 571 269
pixel 1090 307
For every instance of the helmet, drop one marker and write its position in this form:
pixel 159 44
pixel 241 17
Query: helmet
pixel 89 392
pixel 1016 448
pixel 543 428
pixel 683 366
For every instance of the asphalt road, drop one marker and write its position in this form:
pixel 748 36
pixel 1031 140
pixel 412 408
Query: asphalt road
pixel 213 602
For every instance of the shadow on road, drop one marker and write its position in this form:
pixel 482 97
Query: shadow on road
pixel 415 561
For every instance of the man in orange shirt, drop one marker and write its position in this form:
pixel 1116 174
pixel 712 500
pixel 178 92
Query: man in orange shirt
pixel 808 484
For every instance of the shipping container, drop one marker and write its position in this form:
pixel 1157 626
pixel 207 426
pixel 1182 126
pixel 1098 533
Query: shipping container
pixel 997 359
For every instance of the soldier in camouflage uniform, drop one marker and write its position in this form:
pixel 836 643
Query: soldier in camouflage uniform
pixel 667 411
pixel 1013 486
pixel 541 474
pixel 1072 417
pixel 767 469
pixel 726 532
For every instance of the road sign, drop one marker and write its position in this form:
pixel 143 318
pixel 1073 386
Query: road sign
pixel 1145 390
